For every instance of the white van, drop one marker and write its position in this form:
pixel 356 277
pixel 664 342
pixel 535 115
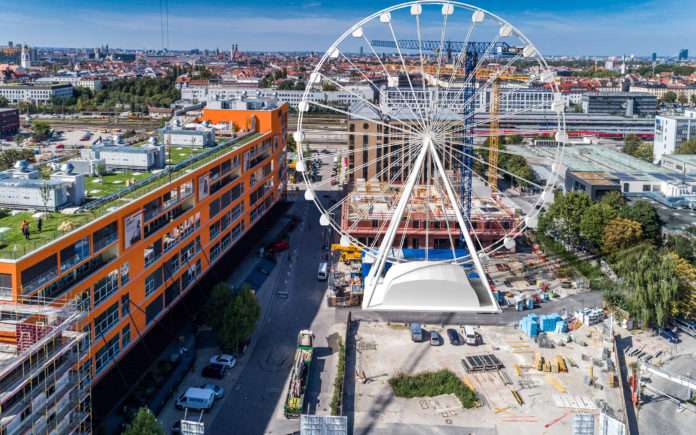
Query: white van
pixel 469 335
pixel 196 398
pixel 323 272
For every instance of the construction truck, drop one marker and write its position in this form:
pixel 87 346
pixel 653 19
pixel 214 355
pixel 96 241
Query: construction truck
pixel 349 253
pixel 299 377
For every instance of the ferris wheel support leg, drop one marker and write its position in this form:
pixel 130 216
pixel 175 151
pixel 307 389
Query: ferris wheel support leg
pixel 460 219
pixel 373 277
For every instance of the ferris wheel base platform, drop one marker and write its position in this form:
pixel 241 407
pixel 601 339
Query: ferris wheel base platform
pixel 428 286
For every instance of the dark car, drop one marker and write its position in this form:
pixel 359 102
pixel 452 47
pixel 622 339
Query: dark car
pixel 176 427
pixel 453 337
pixel 213 371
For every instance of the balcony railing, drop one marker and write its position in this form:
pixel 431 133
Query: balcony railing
pixel 106 241
pixel 39 281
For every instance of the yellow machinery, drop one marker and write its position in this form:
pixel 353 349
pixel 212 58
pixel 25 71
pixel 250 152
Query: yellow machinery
pixel 349 253
pixel 494 138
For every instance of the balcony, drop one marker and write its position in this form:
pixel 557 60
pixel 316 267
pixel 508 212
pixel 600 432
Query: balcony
pixel 77 275
pixel 39 281
pixel 106 241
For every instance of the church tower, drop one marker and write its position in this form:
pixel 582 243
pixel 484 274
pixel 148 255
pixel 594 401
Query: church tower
pixel 26 60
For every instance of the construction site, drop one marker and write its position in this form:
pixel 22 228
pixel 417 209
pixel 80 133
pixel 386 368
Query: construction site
pixel 554 383
pixel 43 388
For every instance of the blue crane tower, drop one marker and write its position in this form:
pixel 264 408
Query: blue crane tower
pixel 472 50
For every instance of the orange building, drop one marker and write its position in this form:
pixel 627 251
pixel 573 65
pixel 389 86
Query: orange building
pixel 132 260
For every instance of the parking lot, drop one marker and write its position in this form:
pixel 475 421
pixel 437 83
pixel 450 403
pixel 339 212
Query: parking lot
pixel 384 350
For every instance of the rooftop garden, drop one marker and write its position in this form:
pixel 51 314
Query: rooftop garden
pixel 56 225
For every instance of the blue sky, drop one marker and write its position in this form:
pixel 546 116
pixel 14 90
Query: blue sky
pixel 556 27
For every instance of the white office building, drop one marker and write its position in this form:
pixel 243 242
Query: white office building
pixel 671 132
pixel 123 156
pixel 293 98
pixel 73 80
pixel 21 188
pixel 33 92
pixel 200 137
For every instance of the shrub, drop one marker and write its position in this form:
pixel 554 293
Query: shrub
pixel 429 384
pixel 338 383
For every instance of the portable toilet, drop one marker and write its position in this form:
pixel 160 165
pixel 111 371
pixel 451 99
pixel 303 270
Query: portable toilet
pixel 519 304
pixel 529 302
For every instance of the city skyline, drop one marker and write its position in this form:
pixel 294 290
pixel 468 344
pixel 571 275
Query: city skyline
pixel 585 28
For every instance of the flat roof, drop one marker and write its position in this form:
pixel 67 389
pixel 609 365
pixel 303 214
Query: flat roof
pixel 601 158
pixel 17 246
pixel 596 178
pixel 684 158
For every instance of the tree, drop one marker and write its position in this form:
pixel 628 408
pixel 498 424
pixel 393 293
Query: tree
pixel 41 130
pixel 682 245
pixel 144 423
pixel 614 199
pixel 621 234
pixel 687 147
pixel 669 97
pixel 631 144
pixel 566 212
pixel 45 192
pixel 682 99
pixel 693 99
pixel 220 299
pixel 645 213
pixel 594 221
pixel 328 86
pixel 18 139
pixel 291 144
pixel 650 282
pixel 3 102
pixel 239 319
pixel 515 139
pixel 686 304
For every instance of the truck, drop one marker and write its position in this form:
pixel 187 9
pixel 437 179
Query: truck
pixel 348 253
pixel 294 402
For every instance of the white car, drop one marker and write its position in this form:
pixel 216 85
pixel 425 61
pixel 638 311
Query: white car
pixel 226 360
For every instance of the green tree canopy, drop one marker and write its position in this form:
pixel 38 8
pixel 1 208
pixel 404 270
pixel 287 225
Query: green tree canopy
pixel 239 319
pixel 614 199
pixel 41 130
pixel 594 221
pixel 220 299
pixel 645 213
pixel 566 212
pixel 144 423
pixel 669 97
pixel 687 147
pixel 682 245
pixel 291 144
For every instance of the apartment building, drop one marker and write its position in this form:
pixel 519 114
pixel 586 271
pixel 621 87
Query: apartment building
pixel 130 262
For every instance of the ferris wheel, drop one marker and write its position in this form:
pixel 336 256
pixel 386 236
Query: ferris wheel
pixel 426 184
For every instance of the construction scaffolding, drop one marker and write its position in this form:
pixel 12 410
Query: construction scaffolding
pixel 45 367
pixel 371 205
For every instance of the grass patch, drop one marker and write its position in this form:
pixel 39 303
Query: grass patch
pixel 36 239
pixel 429 384
pixel 107 186
pixel 550 245
pixel 399 327
pixel 338 383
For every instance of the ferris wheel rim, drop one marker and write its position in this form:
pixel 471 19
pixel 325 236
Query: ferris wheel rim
pixel 522 224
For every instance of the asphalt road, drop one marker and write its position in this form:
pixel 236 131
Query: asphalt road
pixel 255 403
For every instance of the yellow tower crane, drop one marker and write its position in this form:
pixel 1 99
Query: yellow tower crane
pixel 494 139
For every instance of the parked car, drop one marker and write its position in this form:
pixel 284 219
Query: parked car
pixel 216 389
pixel 176 427
pixel 228 361
pixel 453 337
pixel 507 283
pixel 213 371
pixel 196 399
pixel 60 146
pixel 280 245
pixel 434 338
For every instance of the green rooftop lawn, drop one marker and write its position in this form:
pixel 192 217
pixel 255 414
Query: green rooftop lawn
pixel 107 184
pixel 14 236
pixel 179 155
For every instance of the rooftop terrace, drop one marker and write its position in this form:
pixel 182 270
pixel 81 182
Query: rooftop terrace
pixel 15 245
